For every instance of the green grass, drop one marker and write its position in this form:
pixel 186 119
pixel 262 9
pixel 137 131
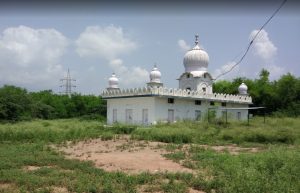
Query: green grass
pixel 275 169
pixel 276 130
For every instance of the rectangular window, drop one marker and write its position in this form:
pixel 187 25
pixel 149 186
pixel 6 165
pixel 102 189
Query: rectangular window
pixel 223 104
pixel 170 100
pixel 128 114
pixel 212 103
pixel 197 102
pixel 115 119
pixel 170 115
pixel 197 115
pixel 145 116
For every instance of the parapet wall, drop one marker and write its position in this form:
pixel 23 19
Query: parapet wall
pixel 170 92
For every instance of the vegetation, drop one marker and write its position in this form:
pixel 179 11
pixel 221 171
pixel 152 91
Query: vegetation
pixel 17 104
pixel 281 97
pixel 274 168
pixel 276 130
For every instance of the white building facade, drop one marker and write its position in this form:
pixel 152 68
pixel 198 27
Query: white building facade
pixel 193 100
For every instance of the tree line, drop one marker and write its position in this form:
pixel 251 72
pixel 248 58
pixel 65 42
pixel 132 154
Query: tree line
pixel 18 104
pixel 280 97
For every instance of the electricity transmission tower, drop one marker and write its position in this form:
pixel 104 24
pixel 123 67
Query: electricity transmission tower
pixel 67 84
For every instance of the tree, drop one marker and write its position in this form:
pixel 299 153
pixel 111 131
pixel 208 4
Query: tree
pixel 15 103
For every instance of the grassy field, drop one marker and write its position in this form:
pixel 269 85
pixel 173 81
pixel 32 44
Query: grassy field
pixel 275 168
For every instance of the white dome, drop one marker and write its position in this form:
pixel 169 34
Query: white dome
pixel 243 88
pixel 113 81
pixel 196 59
pixel 155 75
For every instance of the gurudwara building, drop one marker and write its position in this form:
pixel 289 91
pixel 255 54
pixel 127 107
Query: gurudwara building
pixel 192 100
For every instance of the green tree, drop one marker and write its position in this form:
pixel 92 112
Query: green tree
pixel 15 104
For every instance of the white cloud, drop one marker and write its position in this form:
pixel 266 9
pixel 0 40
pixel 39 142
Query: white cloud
pixel 31 56
pixel 110 43
pixel 105 42
pixel 129 75
pixel 275 71
pixel 263 46
pixel 225 68
pixel 183 45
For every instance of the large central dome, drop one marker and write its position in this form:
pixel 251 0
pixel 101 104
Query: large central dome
pixel 196 59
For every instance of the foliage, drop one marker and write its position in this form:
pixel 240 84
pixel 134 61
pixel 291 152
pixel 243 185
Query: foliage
pixel 17 104
pixel 281 97
pixel 274 169
pixel 275 130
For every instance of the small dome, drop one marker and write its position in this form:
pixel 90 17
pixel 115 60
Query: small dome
pixel 113 81
pixel 155 75
pixel 243 88
pixel 196 59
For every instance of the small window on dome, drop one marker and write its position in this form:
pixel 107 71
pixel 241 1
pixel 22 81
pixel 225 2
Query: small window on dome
pixel 188 75
pixel 204 75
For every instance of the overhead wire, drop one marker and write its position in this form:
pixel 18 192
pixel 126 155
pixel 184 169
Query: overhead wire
pixel 251 42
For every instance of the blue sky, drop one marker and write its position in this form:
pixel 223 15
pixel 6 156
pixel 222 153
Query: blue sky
pixel 39 43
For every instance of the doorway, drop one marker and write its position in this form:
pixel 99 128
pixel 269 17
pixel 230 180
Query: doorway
pixel 170 115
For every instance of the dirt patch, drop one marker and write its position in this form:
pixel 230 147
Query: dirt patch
pixel 191 190
pixel 123 154
pixel 59 190
pixel 33 168
pixel 8 187
pixel 149 188
pixel 232 149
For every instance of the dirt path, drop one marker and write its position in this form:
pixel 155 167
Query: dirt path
pixel 123 155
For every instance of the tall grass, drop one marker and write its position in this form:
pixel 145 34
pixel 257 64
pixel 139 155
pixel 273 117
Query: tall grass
pixel 275 130
pixel 52 131
pixel 276 169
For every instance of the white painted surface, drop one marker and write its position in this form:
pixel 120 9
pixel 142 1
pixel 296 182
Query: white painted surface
pixel 134 107
pixel 150 110
pixel 202 83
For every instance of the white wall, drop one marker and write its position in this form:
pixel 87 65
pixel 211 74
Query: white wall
pixel 158 109
pixel 183 109
pixel 195 83
pixel 137 104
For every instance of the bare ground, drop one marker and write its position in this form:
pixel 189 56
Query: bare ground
pixel 124 155
pixel 132 156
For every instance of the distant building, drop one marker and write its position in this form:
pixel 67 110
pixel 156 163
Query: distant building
pixel 192 100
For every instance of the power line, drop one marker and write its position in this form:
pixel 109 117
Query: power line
pixel 248 47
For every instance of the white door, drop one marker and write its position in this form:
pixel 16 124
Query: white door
pixel 129 117
pixel 145 116
pixel 114 115
pixel 171 115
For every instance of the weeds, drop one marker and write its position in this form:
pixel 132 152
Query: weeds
pixel 276 169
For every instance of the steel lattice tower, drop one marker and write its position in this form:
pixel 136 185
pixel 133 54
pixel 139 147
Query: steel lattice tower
pixel 67 84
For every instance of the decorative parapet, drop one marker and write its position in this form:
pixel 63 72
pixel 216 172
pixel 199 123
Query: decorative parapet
pixel 170 92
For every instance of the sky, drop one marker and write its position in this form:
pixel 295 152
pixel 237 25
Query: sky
pixel 40 41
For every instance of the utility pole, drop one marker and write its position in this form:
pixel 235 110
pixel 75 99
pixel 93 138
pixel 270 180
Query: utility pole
pixel 67 84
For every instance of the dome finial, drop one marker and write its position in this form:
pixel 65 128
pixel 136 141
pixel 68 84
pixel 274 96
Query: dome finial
pixel 196 39
pixel 155 66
